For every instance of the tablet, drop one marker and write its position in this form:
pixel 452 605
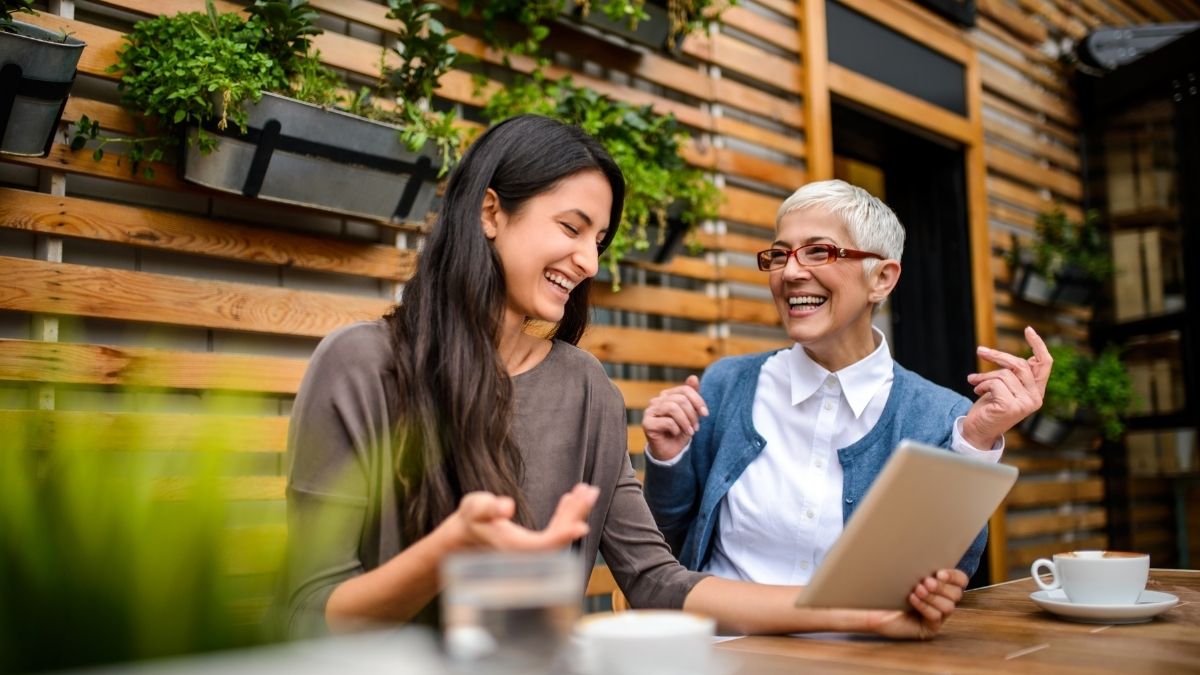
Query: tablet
pixel 921 515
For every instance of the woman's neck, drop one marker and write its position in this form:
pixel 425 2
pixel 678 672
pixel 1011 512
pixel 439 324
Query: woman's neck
pixel 518 350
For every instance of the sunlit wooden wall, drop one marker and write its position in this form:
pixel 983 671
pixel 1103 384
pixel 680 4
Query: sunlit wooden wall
pixel 117 292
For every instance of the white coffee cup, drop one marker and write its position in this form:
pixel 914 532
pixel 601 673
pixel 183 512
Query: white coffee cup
pixel 1096 577
pixel 646 642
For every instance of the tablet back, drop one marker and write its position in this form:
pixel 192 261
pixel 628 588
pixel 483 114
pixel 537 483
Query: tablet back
pixel 920 515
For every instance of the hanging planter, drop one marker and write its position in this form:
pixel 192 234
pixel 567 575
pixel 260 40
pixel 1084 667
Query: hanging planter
pixel 255 113
pixel 1065 263
pixel 652 32
pixel 1070 286
pixel 1047 430
pixel 1084 392
pixel 37 69
pixel 299 153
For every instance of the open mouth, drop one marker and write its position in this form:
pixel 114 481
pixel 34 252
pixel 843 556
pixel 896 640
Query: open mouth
pixel 559 281
pixel 803 303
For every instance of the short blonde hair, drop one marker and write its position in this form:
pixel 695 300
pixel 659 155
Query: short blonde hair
pixel 871 224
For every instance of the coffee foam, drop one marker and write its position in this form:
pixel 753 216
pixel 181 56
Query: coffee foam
pixel 1096 555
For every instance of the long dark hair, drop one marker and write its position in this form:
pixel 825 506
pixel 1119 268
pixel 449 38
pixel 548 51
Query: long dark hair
pixel 456 397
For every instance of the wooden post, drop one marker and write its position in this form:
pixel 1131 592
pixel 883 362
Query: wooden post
pixel 818 131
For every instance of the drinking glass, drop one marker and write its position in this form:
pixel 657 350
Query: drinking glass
pixel 510 612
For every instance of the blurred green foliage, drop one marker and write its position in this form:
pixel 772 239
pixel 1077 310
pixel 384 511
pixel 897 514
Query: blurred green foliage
pixel 111 555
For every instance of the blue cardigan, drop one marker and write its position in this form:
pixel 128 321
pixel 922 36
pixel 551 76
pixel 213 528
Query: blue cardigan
pixel 685 497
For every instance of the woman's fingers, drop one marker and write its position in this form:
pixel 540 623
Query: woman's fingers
pixel 570 518
pixel 1041 362
pixel 1016 365
pixel 953 577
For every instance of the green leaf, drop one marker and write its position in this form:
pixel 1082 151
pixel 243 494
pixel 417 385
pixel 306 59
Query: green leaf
pixel 98 154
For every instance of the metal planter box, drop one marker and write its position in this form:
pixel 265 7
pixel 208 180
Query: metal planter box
pixel 37 69
pixel 303 154
pixel 1070 287
pixel 652 32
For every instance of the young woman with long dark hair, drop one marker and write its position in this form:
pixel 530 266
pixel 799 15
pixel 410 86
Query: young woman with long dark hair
pixel 447 426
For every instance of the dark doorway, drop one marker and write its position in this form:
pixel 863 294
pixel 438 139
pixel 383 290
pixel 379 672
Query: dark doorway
pixel 932 309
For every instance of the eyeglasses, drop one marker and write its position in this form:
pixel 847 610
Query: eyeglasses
pixel 812 255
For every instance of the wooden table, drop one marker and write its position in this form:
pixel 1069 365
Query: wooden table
pixel 998 629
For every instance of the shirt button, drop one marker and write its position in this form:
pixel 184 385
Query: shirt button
pixel 803 564
pixel 809 513
pixel 828 405
pixel 820 464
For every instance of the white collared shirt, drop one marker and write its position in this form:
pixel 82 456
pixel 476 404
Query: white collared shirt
pixel 782 515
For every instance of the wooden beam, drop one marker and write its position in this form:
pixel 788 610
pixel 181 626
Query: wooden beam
pixel 817 112
pixel 916 24
pixel 891 101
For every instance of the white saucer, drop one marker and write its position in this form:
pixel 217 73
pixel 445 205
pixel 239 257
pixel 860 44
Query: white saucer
pixel 1149 604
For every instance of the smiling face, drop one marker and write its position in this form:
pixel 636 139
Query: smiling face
pixel 550 244
pixel 828 308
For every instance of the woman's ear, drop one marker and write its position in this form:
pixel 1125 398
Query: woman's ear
pixel 883 279
pixel 492 216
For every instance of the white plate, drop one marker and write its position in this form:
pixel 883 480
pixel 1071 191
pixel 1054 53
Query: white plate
pixel 1149 604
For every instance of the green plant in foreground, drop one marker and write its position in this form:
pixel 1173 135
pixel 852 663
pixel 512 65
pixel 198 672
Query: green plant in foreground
pixel 111 555
pixel 10 7
pixel 644 144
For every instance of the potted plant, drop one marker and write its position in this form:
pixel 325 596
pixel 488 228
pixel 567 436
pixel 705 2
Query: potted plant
pixel 37 69
pixel 257 114
pixel 654 23
pixel 1066 264
pixel 645 144
pixel 1081 390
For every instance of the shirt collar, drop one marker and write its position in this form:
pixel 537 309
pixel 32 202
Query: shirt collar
pixel 860 381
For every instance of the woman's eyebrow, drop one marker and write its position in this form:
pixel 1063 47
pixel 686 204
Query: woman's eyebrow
pixel 587 219
pixel 810 240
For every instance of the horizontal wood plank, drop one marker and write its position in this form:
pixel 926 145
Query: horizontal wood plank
pixel 78 290
pixel 232 488
pixel 164 230
pixel 1035 525
pixel 1043 493
pixel 143 431
pixel 67 363
pixel 661 348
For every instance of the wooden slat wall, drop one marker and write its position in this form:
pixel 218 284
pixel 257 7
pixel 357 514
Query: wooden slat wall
pixel 1032 132
pixel 108 281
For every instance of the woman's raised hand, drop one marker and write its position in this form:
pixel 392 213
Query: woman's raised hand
pixel 1008 394
pixel 484 521
pixel 672 418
